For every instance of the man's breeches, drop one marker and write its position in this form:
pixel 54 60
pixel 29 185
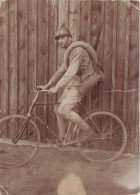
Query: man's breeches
pixel 64 111
pixel 70 97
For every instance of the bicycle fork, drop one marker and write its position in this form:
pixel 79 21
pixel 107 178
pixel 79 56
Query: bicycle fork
pixel 21 131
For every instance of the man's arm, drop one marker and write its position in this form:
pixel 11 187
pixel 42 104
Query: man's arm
pixel 76 58
pixel 60 72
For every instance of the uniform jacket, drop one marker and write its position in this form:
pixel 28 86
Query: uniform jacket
pixel 80 67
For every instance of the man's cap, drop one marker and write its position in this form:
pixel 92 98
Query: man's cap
pixel 62 31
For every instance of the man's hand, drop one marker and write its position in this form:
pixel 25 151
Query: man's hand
pixel 40 87
pixel 43 87
pixel 53 90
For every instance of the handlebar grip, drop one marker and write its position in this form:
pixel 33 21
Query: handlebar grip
pixel 38 89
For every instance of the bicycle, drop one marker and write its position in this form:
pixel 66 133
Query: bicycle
pixel 19 134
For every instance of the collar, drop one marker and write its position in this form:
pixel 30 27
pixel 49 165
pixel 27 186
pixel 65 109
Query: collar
pixel 68 45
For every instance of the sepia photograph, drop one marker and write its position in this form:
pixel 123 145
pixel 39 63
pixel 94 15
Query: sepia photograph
pixel 69 97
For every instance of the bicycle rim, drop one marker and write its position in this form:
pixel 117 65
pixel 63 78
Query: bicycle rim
pixel 16 155
pixel 110 139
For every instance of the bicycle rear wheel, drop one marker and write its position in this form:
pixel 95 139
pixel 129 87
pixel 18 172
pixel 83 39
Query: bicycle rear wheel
pixel 110 139
pixel 21 152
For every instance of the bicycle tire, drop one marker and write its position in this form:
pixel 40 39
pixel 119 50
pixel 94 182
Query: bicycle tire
pixel 116 137
pixel 17 154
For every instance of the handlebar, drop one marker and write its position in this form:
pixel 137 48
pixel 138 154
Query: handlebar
pixel 40 90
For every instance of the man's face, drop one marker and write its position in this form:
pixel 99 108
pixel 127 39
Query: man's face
pixel 63 41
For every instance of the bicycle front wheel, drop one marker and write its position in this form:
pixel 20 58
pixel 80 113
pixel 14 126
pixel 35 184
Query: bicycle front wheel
pixel 17 153
pixel 109 140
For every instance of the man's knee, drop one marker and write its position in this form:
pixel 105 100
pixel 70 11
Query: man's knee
pixel 61 110
pixel 64 112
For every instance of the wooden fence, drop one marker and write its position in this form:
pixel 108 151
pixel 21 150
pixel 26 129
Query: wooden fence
pixel 29 55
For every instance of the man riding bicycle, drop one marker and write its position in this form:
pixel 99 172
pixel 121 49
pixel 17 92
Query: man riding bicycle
pixel 76 77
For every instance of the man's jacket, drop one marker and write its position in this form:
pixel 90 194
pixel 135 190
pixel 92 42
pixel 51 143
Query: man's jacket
pixel 80 67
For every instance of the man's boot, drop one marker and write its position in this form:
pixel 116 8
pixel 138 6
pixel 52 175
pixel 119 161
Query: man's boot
pixel 85 134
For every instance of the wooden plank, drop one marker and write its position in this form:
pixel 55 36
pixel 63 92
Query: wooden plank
pixel 89 22
pixel 32 48
pixel 99 21
pixel 83 20
pixel 42 57
pixel 133 81
pixel 95 21
pixel 136 149
pixel 126 62
pixel 83 36
pixel 4 62
pixel 32 55
pixel 78 20
pixel 89 98
pixel 55 54
pixel 4 57
pixel 107 54
pixel 132 122
pixel 13 68
pixel 74 18
pixel 13 77
pixel 63 17
pixel 22 55
pixel 51 61
pixel 63 12
pixel 120 59
pixel 114 54
pixel 101 55
pixel 71 13
pixel 102 34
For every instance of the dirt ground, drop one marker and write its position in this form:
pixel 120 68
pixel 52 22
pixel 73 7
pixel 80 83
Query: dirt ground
pixel 50 167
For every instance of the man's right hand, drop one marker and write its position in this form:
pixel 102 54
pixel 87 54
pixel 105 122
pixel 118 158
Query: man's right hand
pixel 40 87
pixel 43 87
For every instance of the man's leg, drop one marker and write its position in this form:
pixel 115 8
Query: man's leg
pixel 73 117
pixel 65 109
pixel 62 122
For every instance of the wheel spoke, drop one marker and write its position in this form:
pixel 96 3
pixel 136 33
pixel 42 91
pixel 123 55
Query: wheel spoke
pixel 112 139
pixel 95 126
pixel 115 144
pixel 105 126
pixel 95 144
pixel 111 130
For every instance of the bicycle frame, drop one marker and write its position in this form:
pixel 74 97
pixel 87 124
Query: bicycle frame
pixel 34 103
pixel 47 127
pixel 105 143
pixel 30 113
